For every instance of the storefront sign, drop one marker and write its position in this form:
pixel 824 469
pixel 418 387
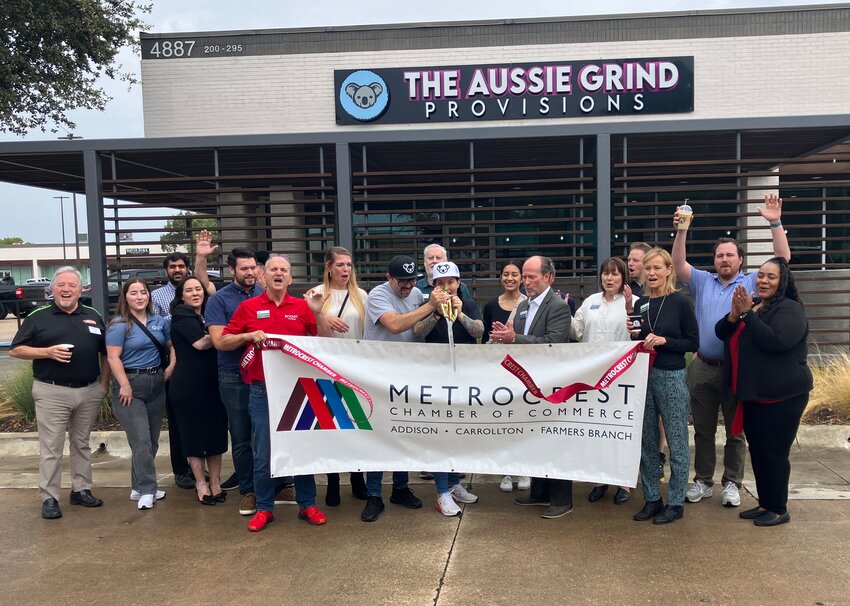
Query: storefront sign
pixel 515 91
pixel 570 411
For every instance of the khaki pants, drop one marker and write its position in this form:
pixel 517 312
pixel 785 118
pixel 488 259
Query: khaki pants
pixel 710 395
pixel 59 409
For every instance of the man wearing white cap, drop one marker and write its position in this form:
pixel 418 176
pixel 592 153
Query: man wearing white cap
pixel 467 328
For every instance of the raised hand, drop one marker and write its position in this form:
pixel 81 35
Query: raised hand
pixel 772 209
pixel 203 243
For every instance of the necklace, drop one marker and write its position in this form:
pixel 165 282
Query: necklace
pixel 652 324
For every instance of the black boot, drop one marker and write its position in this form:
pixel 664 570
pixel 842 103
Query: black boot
pixel 649 511
pixel 332 495
pixel 358 485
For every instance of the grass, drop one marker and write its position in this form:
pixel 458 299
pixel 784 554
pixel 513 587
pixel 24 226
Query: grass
pixel 829 401
pixel 16 391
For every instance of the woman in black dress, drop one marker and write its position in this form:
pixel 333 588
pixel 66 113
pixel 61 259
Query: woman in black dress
pixel 193 390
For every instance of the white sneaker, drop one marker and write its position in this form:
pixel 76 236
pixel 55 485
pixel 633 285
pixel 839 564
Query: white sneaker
pixel 446 505
pixel 730 497
pixel 698 491
pixel 524 483
pixel 507 484
pixel 462 495
pixel 146 501
pixel 135 495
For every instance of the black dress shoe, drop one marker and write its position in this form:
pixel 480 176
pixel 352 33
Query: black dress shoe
pixel 50 509
pixel 230 483
pixel 85 498
pixel 374 507
pixel 597 493
pixel 769 518
pixel 622 496
pixel 358 486
pixel 669 514
pixel 752 514
pixel 184 480
pixel 531 501
pixel 649 511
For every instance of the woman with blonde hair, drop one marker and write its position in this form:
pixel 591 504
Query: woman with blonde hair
pixel 668 325
pixel 345 310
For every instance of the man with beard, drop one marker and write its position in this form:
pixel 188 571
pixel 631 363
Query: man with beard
pixel 543 317
pixel 65 342
pixel 176 268
pixel 392 310
pixel 709 392
pixel 234 393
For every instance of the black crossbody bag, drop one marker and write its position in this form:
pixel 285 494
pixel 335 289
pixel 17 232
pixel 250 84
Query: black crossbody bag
pixel 163 352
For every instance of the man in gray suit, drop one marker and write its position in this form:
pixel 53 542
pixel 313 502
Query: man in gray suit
pixel 542 318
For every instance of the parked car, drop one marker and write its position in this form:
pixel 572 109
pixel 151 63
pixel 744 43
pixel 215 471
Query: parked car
pixel 154 276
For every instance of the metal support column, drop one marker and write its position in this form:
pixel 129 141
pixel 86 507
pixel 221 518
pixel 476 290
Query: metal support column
pixel 97 235
pixel 603 197
pixel 344 203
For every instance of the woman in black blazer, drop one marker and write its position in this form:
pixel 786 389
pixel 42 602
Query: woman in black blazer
pixel 765 364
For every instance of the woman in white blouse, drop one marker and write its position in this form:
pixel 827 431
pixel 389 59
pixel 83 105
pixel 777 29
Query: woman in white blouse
pixel 602 318
pixel 345 310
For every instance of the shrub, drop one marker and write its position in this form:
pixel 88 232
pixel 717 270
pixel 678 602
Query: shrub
pixel 830 398
pixel 17 390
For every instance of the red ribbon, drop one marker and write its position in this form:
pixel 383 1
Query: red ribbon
pixel 565 393
pixel 295 352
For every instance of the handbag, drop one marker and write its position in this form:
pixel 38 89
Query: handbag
pixel 163 352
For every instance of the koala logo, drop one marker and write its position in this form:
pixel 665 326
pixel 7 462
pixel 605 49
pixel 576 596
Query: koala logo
pixel 441 268
pixel 364 95
pixel 409 267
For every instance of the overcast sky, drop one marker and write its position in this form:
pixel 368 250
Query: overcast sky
pixel 39 220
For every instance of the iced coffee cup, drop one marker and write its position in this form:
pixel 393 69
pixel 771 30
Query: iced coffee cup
pixel 686 215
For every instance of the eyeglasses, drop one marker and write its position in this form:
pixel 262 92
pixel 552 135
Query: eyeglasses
pixel 408 282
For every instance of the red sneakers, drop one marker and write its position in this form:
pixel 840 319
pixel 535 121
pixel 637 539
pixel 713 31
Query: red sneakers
pixel 260 519
pixel 312 515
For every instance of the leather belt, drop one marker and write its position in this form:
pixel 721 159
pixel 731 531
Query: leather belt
pixel 74 384
pixel 709 361
pixel 151 370
pixel 258 382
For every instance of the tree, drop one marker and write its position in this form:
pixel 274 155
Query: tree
pixel 182 228
pixel 52 53
pixel 11 240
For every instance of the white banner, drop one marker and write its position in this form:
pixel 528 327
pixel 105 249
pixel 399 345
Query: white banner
pixel 338 405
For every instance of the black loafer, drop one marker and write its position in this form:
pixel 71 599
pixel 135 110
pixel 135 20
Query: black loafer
pixel 405 497
pixel 50 509
pixel 752 514
pixel 768 518
pixel 649 511
pixel 531 501
pixel 597 493
pixel 622 496
pixel 669 514
pixel 85 498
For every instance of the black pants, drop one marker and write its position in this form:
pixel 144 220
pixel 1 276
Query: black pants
pixel 179 464
pixel 557 492
pixel 770 431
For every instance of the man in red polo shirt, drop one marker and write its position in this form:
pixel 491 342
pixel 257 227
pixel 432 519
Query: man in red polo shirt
pixel 273 312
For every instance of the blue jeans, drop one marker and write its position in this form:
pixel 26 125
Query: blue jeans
pixel 444 480
pixel 234 395
pixel 374 478
pixel 265 486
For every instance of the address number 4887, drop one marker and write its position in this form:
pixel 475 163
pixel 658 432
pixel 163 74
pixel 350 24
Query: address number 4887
pixel 177 48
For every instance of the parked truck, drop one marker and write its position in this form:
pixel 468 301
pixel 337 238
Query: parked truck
pixel 20 300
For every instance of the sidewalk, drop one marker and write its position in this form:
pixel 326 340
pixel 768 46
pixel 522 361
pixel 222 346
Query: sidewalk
pixel 497 553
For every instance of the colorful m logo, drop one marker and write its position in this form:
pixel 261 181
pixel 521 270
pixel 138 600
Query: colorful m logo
pixel 322 404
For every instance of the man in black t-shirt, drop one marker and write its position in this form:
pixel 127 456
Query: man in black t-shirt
pixel 65 342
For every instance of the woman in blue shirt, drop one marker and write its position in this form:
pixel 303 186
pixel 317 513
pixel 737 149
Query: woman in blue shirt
pixel 134 339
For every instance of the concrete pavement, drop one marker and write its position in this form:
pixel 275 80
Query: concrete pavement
pixel 497 553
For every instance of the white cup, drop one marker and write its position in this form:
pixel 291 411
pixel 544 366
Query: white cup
pixel 68 346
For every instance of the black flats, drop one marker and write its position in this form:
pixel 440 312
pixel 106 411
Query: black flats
pixel 622 495
pixel 597 493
